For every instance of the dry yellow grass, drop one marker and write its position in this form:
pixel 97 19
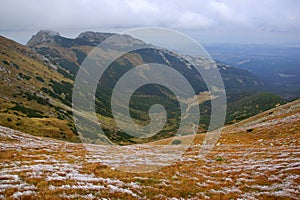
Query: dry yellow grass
pixel 262 163
pixel 21 72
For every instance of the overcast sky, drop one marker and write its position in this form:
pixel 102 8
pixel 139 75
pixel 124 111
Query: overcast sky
pixel 208 21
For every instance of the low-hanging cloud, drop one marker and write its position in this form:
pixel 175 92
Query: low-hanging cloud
pixel 230 15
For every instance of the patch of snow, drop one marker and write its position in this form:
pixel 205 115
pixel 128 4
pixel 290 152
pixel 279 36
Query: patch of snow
pixel 122 190
pixel 17 195
pixel 77 196
pixel 87 186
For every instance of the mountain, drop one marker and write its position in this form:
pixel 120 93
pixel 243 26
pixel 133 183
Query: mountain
pixel 33 94
pixel 257 158
pixel 38 80
pixel 68 53
pixel 50 37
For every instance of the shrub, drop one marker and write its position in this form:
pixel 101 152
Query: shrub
pixel 175 142
pixel 5 62
pixel 38 99
pixel 27 111
pixel 219 158
pixel 40 79
pixel 23 76
pixel 250 129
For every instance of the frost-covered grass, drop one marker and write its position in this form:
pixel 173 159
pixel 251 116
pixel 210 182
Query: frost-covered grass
pixel 250 168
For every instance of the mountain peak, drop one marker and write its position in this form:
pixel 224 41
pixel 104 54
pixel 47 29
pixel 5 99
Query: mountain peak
pixel 42 36
pixel 94 38
pixel 48 32
pixel 94 35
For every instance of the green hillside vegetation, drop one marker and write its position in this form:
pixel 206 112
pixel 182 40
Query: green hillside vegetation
pixel 251 105
pixel 36 89
pixel 23 104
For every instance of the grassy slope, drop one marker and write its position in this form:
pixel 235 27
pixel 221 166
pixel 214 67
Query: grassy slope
pixel 251 105
pixel 259 164
pixel 23 105
pixel 36 98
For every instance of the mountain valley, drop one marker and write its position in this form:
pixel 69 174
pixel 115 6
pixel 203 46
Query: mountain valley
pixel 37 81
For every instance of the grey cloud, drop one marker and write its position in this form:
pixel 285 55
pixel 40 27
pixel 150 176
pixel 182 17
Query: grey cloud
pixel 230 15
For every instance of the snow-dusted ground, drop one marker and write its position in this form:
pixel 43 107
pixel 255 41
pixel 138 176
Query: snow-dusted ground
pixel 40 168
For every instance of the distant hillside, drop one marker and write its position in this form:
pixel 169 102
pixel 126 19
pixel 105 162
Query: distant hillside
pixel 279 126
pixel 37 86
pixel 276 65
